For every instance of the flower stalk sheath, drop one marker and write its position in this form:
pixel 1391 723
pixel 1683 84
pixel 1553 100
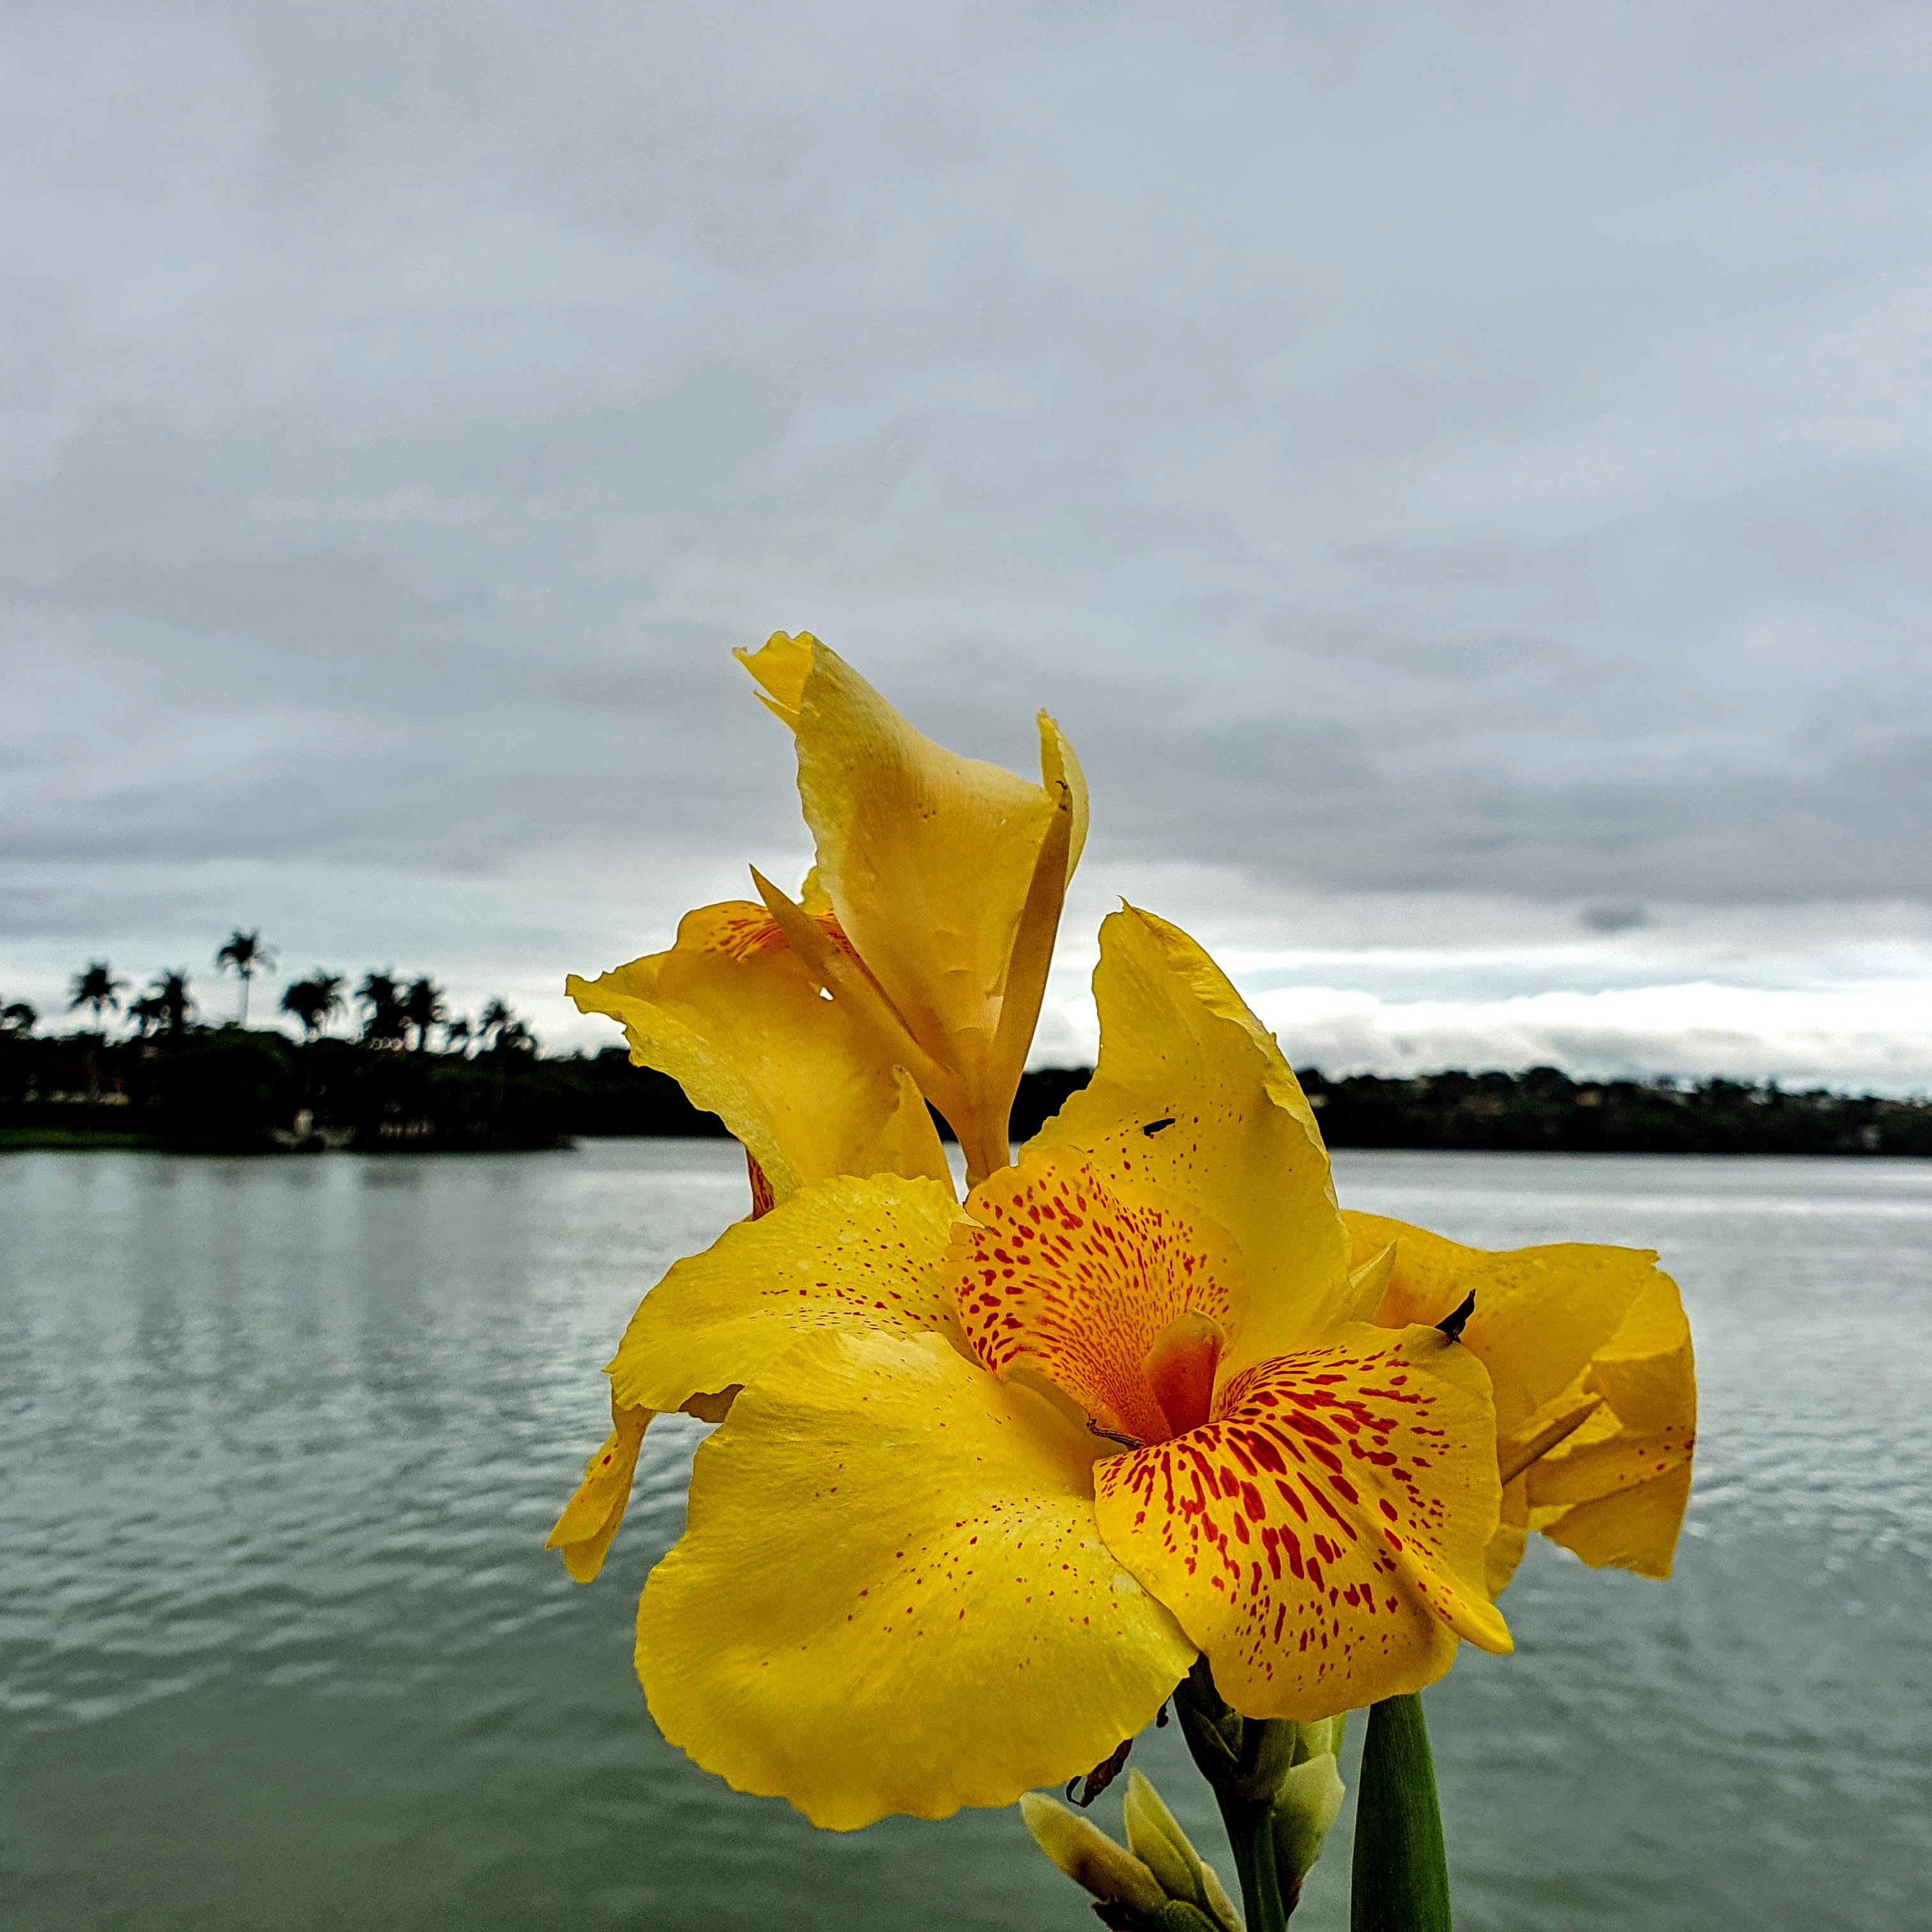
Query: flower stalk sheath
pixel 1400 1881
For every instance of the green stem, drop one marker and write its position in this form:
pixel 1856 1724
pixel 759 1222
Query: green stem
pixel 1251 1835
pixel 1401 1882
pixel 1243 1759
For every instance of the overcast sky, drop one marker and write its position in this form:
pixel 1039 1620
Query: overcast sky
pixel 1458 474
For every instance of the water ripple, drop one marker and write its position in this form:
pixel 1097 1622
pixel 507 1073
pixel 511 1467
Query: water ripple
pixel 280 1442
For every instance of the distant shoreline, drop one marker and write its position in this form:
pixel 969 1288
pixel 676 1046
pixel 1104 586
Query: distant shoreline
pixel 230 1090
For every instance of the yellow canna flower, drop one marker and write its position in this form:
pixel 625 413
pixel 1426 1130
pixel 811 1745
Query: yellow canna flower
pixel 945 874
pixel 734 1016
pixel 1596 1394
pixel 989 1479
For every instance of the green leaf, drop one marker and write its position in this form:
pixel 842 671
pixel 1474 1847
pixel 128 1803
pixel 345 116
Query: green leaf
pixel 1401 1871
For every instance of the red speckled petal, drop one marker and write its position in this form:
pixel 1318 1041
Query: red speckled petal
pixel 1322 1540
pixel 1191 1096
pixel 1066 1273
pixel 1553 1325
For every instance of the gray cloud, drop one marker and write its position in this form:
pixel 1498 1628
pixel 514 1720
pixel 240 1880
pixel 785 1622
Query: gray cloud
pixel 1457 453
pixel 1614 916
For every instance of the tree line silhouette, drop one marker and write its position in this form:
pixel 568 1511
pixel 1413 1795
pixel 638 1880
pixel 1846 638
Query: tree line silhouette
pixel 380 1063
pixel 405 1074
pixel 392 1010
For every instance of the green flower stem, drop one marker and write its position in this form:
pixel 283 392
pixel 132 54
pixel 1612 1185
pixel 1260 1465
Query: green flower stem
pixel 1244 1761
pixel 1401 1880
pixel 1251 1834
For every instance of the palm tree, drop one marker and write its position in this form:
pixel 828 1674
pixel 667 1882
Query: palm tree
pixel 245 955
pixel 314 1002
pixel 422 1008
pixel 497 1016
pixel 147 1015
pixel 456 1033
pixel 172 1000
pixel 19 1019
pixel 97 987
pixel 329 986
pixel 381 999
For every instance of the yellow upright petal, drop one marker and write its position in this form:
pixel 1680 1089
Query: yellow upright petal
pixel 1192 1097
pixel 929 861
pixel 779 668
pixel 846 1254
pixel 590 1519
pixel 891 1595
pixel 1059 767
pixel 1559 1327
pixel 1322 1539
pixel 732 1015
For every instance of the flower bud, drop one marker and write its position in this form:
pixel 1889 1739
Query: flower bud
pixel 1154 1838
pixel 1221 1908
pixel 1307 1798
pixel 1089 1858
pixel 1178 1915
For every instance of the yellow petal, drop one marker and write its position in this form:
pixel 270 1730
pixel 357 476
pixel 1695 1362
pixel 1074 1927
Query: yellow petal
pixel 930 862
pixel 1521 1448
pixel 1621 1482
pixel 733 1016
pixel 1631 1529
pixel 1645 1372
pixel 589 1520
pixel 1604 1456
pixel 1058 767
pixel 1192 1097
pixel 850 986
pixel 1323 1539
pixel 1506 1546
pixel 1030 958
pixel 780 668
pixel 1061 1272
pixel 1541 1313
pixel 867 1255
pixel 891 1595
pixel 1558 1326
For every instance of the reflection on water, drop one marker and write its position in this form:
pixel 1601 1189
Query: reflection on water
pixel 278 1649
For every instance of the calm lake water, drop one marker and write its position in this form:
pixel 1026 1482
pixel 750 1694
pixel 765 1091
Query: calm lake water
pixel 279 1441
